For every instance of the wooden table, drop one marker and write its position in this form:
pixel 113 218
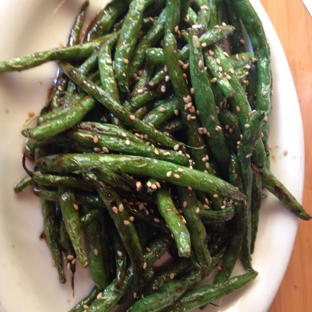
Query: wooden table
pixel 293 25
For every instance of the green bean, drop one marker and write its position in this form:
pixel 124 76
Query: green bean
pixel 237 39
pixel 188 111
pixel 97 253
pixel 76 28
pixel 70 214
pixel 205 102
pixel 55 126
pixel 115 108
pixel 280 191
pixel 237 224
pixel 256 198
pixel 207 293
pixel 110 296
pixel 76 52
pixel 106 19
pixel 158 169
pixel 174 221
pixel 123 223
pixel 261 49
pixel 79 307
pixel 162 112
pixel 51 232
pixel 250 135
pixel 173 8
pixel 97 142
pixel 216 216
pixel 121 261
pixel 171 291
pixel 152 37
pixel 127 42
pixel 23 183
pixel 173 125
pixel 188 201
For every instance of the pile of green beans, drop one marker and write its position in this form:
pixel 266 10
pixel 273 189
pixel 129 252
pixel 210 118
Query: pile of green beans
pixel 154 141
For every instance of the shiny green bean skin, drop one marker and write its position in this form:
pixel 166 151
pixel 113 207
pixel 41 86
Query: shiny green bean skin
pixel 127 41
pixel 51 233
pixel 205 103
pixel 188 201
pixel 210 292
pixel 97 252
pixel 158 169
pixel 280 191
pixel 53 127
pixel 174 221
pixel 72 221
pixel 107 18
pixel 76 52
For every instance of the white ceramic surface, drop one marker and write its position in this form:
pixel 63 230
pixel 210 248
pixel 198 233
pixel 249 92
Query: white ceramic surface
pixel 28 282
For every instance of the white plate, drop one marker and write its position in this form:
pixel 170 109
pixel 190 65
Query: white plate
pixel 28 282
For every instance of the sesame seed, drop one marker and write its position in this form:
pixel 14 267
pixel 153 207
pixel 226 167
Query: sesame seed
pixel 242 41
pixel 200 64
pixel 99 295
pixel 185 66
pixel 249 155
pixel 226 54
pixel 119 253
pixel 204 7
pixel 144 265
pixel 53 262
pixel 264 93
pixel 211 53
pixel 197 210
pixel 168 174
pixel 135 295
pixel 176 147
pixel 156 151
pixel 76 207
pixel 218 128
pixel 156 220
pixel 265 118
pixel 247 126
pixel 171 275
pixel 85 306
pixel 285 152
pixel 184 204
pixel 204 44
pixel 167 78
pixel 70 257
pixel 131 218
pixel 126 222
pixel 115 209
pixel 163 89
pixel 96 252
pixel 127 142
pixel 214 79
pixel 148 249
pixel 68 266
pixel 132 117
pixel 180 170
pixel 74 261
pixel 109 61
pixel 141 90
pixel 124 74
pixel 237 109
pixel 206 207
pixel 176 176
pixel 218 61
pixel 138 185
pixel 215 195
pixel 126 61
pixel 195 42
